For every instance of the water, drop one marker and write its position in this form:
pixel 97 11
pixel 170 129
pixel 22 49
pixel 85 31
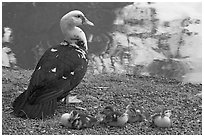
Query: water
pixel 163 39
pixel 174 50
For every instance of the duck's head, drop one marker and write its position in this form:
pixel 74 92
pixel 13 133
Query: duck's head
pixel 71 32
pixel 167 113
pixel 75 18
pixel 74 114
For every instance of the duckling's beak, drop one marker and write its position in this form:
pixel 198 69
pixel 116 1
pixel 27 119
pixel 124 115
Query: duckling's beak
pixel 87 22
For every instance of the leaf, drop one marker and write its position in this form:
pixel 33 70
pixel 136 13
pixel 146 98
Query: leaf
pixel 81 108
pixel 73 99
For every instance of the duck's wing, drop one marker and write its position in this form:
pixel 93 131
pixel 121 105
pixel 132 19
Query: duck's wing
pixel 59 70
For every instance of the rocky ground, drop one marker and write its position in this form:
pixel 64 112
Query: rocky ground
pixel 101 90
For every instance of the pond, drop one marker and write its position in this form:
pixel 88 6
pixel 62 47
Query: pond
pixel 136 38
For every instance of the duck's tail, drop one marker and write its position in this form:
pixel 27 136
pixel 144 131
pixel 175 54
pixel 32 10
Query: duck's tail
pixel 23 108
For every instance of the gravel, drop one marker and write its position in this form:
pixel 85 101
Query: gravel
pixel 98 91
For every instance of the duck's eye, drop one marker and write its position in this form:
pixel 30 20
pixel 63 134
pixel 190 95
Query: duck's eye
pixel 78 16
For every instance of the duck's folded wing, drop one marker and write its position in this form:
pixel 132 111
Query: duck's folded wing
pixel 56 73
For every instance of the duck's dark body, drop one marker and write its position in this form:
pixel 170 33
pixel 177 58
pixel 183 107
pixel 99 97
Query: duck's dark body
pixel 59 70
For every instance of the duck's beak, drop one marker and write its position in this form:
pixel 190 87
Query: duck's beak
pixel 87 22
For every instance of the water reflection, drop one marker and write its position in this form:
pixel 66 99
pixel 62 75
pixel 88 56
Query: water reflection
pixel 163 39
pixel 167 45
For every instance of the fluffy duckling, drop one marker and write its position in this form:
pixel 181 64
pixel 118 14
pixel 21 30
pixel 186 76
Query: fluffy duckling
pixel 135 114
pixel 76 120
pixel 68 118
pixel 84 121
pixel 114 118
pixel 162 118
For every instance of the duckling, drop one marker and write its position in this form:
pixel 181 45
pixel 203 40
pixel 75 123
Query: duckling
pixel 135 114
pixel 76 120
pixel 68 118
pixel 162 119
pixel 84 121
pixel 114 118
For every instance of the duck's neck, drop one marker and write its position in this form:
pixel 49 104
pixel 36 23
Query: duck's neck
pixel 74 34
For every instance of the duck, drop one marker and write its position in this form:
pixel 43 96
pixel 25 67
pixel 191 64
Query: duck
pixel 162 119
pixel 60 69
pixel 113 118
pixel 76 120
pixel 135 114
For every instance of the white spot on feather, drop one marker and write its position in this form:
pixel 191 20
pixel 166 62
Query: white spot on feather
pixel 64 43
pixel 64 77
pixel 53 50
pixel 72 73
pixel 54 69
pixel 83 53
pixel 74 44
pixel 39 68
